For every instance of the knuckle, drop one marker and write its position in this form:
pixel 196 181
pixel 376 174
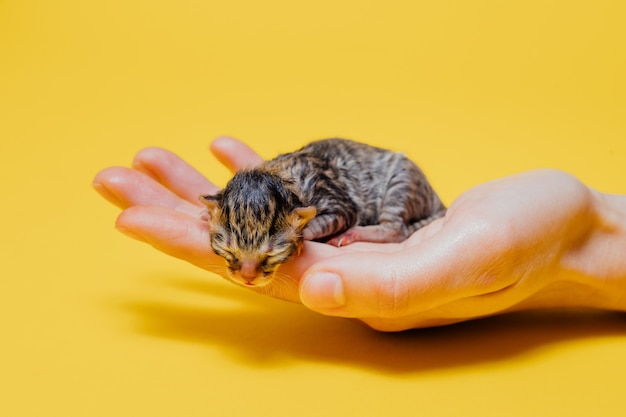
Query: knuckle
pixel 392 296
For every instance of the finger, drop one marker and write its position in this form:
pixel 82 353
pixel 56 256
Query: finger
pixel 174 173
pixel 356 285
pixel 104 191
pixel 127 187
pixel 188 238
pixel 234 154
pixel 171 232
pixel 445 268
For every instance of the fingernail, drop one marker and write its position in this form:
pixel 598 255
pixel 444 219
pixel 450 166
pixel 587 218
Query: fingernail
pixel 107 193
pixel 322 290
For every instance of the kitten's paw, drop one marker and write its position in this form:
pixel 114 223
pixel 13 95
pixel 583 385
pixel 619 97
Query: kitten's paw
pixel 345 238
pixel 373 233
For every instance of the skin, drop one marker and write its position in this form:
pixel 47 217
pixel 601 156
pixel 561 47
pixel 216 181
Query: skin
pixel 540 239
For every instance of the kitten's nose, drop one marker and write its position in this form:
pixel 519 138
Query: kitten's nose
pixel 249 270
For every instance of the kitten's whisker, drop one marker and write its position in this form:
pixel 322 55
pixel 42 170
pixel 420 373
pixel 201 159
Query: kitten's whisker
pixel 216 268
pixel 282 286
pixel 284 277
pixel 220 270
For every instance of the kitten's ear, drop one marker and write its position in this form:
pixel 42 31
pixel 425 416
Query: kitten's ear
pixel 302 215
pixel 212 202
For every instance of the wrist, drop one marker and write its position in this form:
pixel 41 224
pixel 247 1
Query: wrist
pixel 590 272
pixel 594 268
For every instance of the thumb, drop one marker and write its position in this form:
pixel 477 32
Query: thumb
pixel 382 285
pixel 421 276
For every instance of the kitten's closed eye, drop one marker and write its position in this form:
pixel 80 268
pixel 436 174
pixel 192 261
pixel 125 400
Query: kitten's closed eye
pixel 221 246
pixel 219 240
pixel 281 253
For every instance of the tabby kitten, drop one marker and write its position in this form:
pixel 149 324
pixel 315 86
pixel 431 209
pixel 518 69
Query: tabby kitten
pixel 334 190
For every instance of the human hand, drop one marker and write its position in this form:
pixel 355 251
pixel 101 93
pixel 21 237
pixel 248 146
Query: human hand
pixel 533 240
pixel 506 245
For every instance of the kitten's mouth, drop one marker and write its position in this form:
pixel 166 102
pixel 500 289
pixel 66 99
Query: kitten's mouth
pixel 260 280
pixel 256 283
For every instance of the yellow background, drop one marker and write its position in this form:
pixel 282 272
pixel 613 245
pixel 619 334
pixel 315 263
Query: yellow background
pixel 93 323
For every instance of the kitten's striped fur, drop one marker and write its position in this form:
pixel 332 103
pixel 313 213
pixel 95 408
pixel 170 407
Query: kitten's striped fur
pixel 334 190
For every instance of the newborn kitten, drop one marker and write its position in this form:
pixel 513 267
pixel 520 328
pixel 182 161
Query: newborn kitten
pixel 334 190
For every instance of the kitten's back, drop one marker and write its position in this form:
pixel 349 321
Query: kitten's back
pixel 355 184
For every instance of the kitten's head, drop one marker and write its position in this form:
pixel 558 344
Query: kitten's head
pixel 256 224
